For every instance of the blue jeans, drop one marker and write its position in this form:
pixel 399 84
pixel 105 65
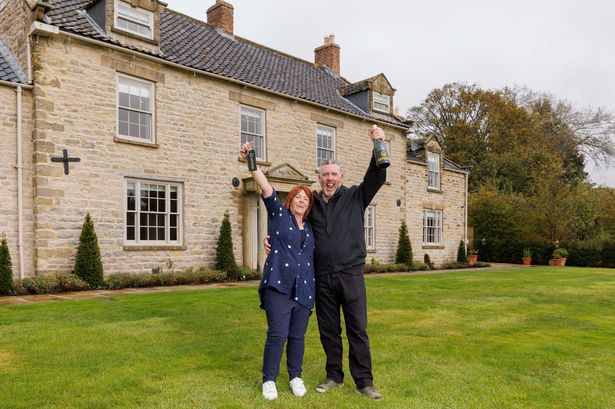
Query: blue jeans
pixel 287 321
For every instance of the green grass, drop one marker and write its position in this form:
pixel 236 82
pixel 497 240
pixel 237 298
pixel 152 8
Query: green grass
pixel 525 338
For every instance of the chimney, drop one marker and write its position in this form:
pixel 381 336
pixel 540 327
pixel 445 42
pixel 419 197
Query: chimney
pixel 328 54
pixel 220 15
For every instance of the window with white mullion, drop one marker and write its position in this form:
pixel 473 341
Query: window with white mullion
pixel 382 102
pixel 253 129
pixel 369 227
pixel 135 20
pixel 135 108
pixel 433 161
pixel 325 144
pixel 432 227
pixel 152 212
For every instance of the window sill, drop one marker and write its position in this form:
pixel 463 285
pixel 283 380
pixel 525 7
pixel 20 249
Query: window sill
pixel 153 248
pixel 433 246
pixel 134 35
pixel 135 142
pixel 434 190
pixel 371 251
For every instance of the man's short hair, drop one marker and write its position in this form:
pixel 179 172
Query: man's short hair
pixel 331 162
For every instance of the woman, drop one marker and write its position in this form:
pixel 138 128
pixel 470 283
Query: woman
pixel 287 288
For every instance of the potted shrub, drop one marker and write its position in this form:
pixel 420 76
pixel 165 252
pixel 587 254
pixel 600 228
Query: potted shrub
pixel 472 256
pixel 559 257
pixel 527 256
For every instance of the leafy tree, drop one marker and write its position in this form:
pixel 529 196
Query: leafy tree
pixel 6 269
pixel 404 247
pixel 225 256
pixel 88 263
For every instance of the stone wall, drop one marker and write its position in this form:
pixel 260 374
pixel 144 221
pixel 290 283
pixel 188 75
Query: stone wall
pixel 8 176
pixel 197 142
pixel 15 20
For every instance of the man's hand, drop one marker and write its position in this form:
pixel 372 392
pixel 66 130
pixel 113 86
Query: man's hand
pixel 376 133
pixel 267 245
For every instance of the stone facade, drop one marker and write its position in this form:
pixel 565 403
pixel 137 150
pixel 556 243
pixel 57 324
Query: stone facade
pixel 8 175
pixel 73 106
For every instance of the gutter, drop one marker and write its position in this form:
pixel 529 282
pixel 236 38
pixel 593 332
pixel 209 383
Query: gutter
pixel 49 30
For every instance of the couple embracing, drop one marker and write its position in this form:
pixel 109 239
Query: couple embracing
pixel 316 257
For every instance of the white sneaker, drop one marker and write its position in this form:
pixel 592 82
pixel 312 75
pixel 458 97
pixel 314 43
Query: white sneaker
pixel 298 387
pixel 269 390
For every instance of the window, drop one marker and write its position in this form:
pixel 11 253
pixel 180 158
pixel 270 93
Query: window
pixel 253 129
pixel 387 145
pixel 134 20
pixel 369 225
pixel 153 212
pixel 325 144
pixel 2 4
pixel 433 160
pixel 382 103
pixel 432 226
pixel 135 108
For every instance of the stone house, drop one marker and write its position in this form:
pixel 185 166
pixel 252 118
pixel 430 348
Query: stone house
pixel 155 104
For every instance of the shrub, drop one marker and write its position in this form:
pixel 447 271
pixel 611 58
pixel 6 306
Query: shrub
pixel 51 284
pixel 6 269
pixel 404 247
pixel 560 252
pixel 225 257
pixel 462 257
pixel 416 266
pixel 88 264
pixel 386 268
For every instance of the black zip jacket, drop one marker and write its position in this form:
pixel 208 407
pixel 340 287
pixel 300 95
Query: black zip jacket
pixel 338 225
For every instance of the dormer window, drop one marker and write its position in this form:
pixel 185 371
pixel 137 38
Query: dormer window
pixel 134 20
pixel 382 103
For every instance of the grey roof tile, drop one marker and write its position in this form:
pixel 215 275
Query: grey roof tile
pixel 10 69
pixel 195 44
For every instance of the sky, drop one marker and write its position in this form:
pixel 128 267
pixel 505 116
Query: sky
pixel 563 47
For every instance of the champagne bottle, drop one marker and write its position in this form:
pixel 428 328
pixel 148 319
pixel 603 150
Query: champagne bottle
pixel 251 160
pixel 380 152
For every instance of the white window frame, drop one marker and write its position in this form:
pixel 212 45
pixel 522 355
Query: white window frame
pixel 381 102
pixel 2 4
pixel 252 135
pixel 152 111
pixel 433 170
pixel 369 226
pixel 333 133
pixel 146 13
pixel 138 240
pixel 432 227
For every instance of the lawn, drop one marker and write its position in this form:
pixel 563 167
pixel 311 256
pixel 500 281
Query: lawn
pixel 540 337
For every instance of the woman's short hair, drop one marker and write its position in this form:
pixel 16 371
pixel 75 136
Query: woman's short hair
pixel 294 192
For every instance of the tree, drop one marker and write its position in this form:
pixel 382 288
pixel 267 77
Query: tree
pixel 404 247
pixel 462 257
pixel 225 256
pixel 88 263
pixel 6 269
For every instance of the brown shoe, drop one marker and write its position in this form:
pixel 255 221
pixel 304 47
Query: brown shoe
pixel 370 392
pixel 327 385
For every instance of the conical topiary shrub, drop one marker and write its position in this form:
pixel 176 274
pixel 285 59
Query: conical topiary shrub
pixel 6 269
pixel 88 264
pixel 404 247
pixel 462 256
pixel 225 257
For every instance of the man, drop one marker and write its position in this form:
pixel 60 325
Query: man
pixel 337 219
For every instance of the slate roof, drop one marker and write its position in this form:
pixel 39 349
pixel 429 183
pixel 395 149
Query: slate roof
pixel 195 44
pixel 10 69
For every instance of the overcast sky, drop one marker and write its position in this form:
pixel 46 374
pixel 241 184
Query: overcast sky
pixel 563 47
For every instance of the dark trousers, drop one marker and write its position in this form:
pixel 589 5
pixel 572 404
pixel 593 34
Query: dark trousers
pixel 287 321
pixel 344 289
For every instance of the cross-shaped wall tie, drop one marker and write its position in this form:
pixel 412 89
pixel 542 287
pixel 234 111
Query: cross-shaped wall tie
pixel 66 160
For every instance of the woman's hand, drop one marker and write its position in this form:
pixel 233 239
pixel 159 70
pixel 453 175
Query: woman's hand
pixel 243 152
